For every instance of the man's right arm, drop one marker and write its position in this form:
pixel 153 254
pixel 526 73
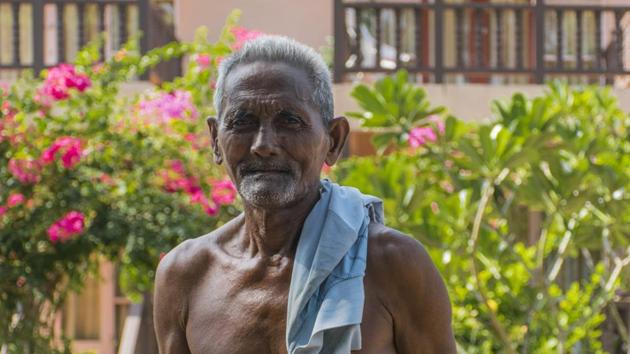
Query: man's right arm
pixel 169 307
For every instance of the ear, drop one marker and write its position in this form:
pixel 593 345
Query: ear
pixel 338 131
pixel 213 126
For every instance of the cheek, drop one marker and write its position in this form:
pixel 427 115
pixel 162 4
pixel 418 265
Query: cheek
pixel 233 151
pixel 234 147
pixel 310 152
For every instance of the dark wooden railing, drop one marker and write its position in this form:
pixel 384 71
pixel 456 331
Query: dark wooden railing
pixel 52 28
pixel 386 36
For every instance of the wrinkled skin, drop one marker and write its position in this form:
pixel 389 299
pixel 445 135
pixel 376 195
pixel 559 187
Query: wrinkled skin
pixel 226 292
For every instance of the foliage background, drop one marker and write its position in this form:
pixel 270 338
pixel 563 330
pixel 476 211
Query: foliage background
pixel 465 190
pixel 132 170
pixel 468 191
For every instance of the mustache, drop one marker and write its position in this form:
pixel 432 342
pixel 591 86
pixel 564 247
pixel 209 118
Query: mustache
pixel 251 166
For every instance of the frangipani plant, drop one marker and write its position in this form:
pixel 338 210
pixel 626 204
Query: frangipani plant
pixel 526 217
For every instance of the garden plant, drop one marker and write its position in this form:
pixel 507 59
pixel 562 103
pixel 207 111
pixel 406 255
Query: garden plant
pixel 90 171
pixel 527 217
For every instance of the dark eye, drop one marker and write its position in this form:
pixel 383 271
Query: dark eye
pixel 242 119
pixel 289 118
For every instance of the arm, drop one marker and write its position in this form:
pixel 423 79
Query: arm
pixel 169 308
pixel 415 296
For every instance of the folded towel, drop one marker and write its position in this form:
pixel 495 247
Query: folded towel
pixel 326 295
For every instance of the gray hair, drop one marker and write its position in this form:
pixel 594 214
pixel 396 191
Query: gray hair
pixel 284 50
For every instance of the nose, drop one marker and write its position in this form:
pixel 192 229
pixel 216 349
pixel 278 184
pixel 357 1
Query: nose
pixel 265 142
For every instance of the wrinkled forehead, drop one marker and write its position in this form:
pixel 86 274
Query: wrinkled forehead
pixel 267 83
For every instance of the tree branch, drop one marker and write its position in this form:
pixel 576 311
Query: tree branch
pixel 487 191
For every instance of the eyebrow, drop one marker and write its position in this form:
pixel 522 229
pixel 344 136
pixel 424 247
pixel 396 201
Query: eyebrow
pixel 248 104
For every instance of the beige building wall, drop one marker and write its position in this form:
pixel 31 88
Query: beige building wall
pixel 469 102
pixel 309 21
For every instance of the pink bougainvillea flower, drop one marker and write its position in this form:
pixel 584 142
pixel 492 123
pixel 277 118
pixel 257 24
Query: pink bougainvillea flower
pixel 170 183
pixel 435 119
pixel 72 156
pixel 199 198
pixel 167 106
pixel 175 179
pixel 59 81
pixel 66 227
pixel 71 148
pixel 243 35
pixel 419 136
pixel 190 185
pixel 3 210
pixel 48 155
pixel 54 233
pixel 178 167
pixel 191 138
pixel 223 192
pixel 73 222
pixel 15 199
pixel 203 60
pixel 80 82
pixel 26 171
pixel 211 210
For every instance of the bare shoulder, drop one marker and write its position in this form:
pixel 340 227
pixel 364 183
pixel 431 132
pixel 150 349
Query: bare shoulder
pixel 176 276
pixel 389 251
pixel 189 259
pixel 178 273
pixel 411 288
pixel 182 262
pixel 181 268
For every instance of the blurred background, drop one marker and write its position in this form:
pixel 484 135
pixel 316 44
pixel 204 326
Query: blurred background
pixel 496 131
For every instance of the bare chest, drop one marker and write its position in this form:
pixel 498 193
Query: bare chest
pixel 246 313
pixel 234 311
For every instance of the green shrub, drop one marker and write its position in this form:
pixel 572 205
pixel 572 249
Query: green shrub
pixel 88 170
pixel 468 191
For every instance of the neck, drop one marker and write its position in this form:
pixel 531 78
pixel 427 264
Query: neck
pixel 271 233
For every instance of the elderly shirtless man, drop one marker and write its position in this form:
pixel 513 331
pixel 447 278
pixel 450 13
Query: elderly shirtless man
pixel 308 267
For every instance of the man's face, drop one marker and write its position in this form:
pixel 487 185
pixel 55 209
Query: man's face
pixel 272 139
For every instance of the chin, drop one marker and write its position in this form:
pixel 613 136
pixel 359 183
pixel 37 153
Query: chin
pixel 268 194
pixel 272 193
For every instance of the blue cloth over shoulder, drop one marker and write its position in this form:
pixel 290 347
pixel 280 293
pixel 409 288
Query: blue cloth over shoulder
pixel 326 295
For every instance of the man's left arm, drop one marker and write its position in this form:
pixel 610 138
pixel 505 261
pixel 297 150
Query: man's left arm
pixel 417 298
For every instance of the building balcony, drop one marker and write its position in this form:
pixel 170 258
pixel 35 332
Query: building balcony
pixel 483 42
pixel 36 34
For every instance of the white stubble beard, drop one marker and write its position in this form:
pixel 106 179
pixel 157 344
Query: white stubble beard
pixel 254 191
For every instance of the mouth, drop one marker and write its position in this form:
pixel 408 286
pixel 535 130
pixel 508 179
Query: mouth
pixel 265 171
